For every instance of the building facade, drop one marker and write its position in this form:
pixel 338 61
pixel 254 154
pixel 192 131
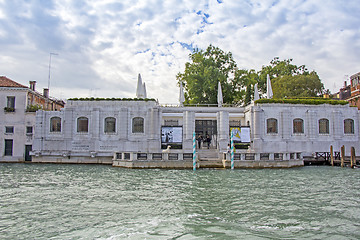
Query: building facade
pixel 304 128
pixel 17 118
pixel 351 92
pixel 107 130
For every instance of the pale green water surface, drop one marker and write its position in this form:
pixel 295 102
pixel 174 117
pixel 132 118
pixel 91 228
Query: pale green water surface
pixel 40 201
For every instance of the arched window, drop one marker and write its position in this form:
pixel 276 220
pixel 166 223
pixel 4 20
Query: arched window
pixel 324 126
pixel 138 125
pixel 110 125
pixel 82 124
pixel 55 124
pixel 298 125
pixel 349 126
pixel 271 125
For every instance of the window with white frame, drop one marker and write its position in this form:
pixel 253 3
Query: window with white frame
pixel 82 125
pixel 271 125
pixel 10 102
pixel 55 124
pixel 138 125
pixel 110 125
pixel 29 130
pixel 323 126
pixel 349 126
pixel 9 129
pixel 298 125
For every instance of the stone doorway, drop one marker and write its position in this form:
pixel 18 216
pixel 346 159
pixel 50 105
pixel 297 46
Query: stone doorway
pixel 28 149
pixel 206 127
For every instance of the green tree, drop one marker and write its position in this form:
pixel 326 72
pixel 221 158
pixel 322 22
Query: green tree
pixel 243 83
pixel 289 80
pixel 308 85
pixel 207 68
pixel 201 76
pixel 248 95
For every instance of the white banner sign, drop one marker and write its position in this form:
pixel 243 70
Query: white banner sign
pixel 171 134
pixel 241 134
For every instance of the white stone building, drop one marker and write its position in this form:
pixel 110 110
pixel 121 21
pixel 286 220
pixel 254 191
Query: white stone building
pixel 103 131
pixel 304 128
pixel 17 118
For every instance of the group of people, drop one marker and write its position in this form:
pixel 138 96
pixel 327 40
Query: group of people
pixel 206 139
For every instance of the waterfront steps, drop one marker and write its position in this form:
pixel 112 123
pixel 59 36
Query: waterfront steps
pixel 209 158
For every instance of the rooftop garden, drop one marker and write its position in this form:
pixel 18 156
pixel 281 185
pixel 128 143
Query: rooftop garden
pixel 112 99
pixel 307 101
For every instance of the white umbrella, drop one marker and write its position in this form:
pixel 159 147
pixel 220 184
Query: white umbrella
pixel 256 93
pixel 220 96
pixel 139 89
pixel 181 95
pixel 144 90
pixel 269 92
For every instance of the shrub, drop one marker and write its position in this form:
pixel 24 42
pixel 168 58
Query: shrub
pixel 112 99
pixel 33 108
pixel 9 109
pixel 307 101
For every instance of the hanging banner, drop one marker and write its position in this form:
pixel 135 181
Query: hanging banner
pixel 171 134
pixel 245 134
pixel 236 134
pixel 241 134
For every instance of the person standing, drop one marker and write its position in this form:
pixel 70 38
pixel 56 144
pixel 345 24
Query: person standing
pixel 199 140
pixel 208 140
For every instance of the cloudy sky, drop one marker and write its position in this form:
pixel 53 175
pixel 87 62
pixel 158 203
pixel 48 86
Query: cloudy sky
pixel 103 45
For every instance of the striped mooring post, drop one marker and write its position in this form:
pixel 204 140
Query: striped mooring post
pixel 232 151
pixel 194 152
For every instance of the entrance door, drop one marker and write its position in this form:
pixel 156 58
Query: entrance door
pixel 28 148
pixel 207 127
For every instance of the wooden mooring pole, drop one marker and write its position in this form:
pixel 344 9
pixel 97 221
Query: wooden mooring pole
pixel 342 155
pixel 353 158
pixel 332 155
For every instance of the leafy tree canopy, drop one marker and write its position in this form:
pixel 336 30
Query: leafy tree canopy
pixel 207 68
pixel 289 80
pixel 201 76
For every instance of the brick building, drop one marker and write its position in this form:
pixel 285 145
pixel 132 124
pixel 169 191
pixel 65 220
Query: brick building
pixel 351 92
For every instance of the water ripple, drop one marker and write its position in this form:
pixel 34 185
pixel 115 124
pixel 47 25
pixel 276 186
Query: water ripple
pixel 101 202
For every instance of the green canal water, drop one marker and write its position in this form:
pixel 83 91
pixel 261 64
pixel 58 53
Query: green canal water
pixel 41 201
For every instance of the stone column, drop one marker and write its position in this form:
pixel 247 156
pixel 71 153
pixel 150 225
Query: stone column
pixel 94 129
pixel 338 125
pixel 258 120
pixel 155 128
pixel 223 130
pixel 285 124
pixel 154 123
pixel 69 127
pixel 189 124
pixel 311 124
pixel 123 125
pixel 188 129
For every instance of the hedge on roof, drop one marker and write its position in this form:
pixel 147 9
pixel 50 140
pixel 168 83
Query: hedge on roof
pixel 112 99
pixel 307 101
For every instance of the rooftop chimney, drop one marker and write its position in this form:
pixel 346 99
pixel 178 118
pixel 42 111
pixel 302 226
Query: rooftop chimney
pixel 345 83
pixel 32 85
pixel 46 92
